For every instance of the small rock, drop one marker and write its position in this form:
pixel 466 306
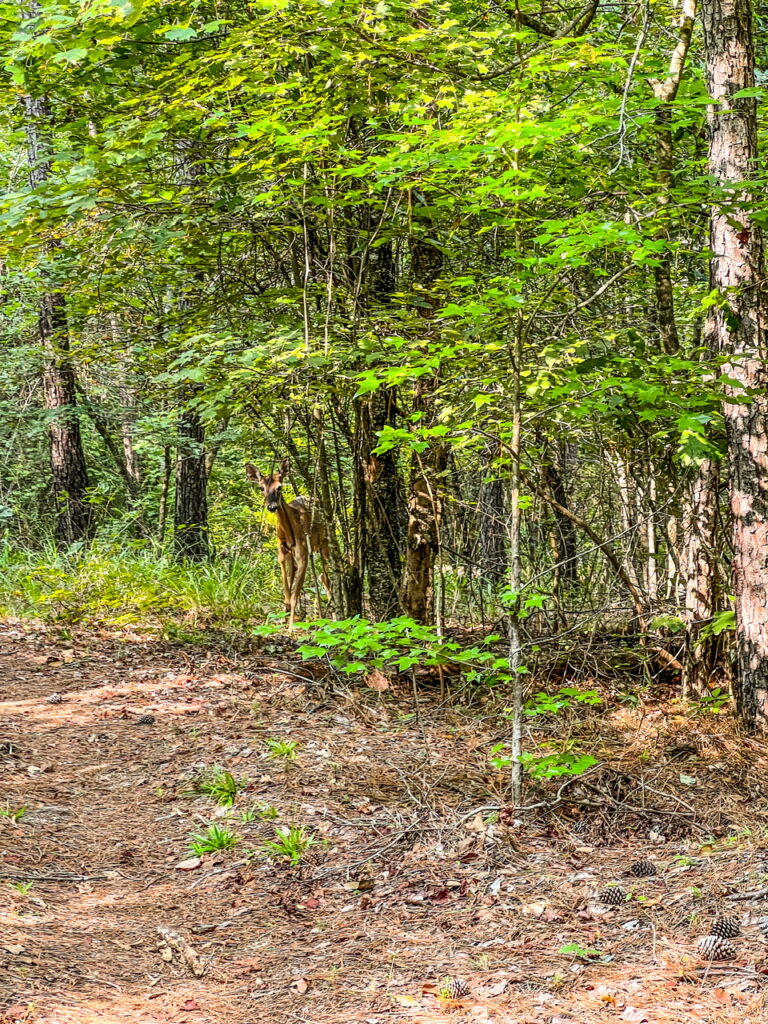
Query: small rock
pixel 191 864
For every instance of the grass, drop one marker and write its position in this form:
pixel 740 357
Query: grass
pixel 124 585
pixel 285 749
pixel 291 844
pixel 213 839
pixel 220 785
pixel 12 813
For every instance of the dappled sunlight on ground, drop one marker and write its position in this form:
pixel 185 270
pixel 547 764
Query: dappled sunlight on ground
pixel 404 887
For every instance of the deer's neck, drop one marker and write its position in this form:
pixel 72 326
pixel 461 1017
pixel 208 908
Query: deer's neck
pixel 286 527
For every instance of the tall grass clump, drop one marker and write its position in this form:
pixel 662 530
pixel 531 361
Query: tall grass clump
pixel 136 584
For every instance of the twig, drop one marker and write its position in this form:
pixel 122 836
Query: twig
pixel 758 894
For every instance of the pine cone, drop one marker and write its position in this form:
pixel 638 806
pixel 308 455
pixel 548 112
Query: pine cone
pixel 762 924
pixel 456 988
pixel 55 698
pixel 613 896
pixel 714 948
pixel 146 720
pixel 726 927
pixel 643 869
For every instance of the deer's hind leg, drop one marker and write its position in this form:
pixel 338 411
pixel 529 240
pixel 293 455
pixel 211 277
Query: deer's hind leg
pixel 320 544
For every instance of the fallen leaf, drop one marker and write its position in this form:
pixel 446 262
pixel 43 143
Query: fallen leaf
pixel 406 1000
pixel 190 1004
pixel 376 680
pixel 14 950
pixel 634 1016
pixel 300 985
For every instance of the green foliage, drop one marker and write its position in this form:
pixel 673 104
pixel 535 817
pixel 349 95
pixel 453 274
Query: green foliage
pixel 712 703
pixel 285 750
pixel 132 585
pixel 579 951
pixel 356 645
pixel 12 813
pixel 565 698
pixel 290 844
pixel 22 888
pixel 547 766
pixel 216 837
pixel 722 622
pixel 220 785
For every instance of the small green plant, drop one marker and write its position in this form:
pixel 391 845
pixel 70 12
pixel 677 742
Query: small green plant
pixel 285 749
pixel 566 761
pixel 22 888
pixel 12 813
pixel 219 785
pixel 291 844
pixel 566 697
pixel 575 949
pixel 713 702
pixel 248 815
pixel 445 987
pixel 215 837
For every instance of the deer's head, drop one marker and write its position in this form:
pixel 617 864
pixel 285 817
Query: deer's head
pixel 272 485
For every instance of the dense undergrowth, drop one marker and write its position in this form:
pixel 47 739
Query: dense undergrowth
pixel 127 585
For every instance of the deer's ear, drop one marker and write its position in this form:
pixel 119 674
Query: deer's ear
pixel 285 467
pixel 252 473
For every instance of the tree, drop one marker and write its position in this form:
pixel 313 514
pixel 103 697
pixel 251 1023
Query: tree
pixel 67 458
pixel 735 327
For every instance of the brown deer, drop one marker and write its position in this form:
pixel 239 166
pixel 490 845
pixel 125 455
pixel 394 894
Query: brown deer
pixel 299 533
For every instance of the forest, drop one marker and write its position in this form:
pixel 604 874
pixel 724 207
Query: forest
pixel 383 511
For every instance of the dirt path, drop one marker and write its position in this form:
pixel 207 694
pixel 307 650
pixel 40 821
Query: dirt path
pixel 396 895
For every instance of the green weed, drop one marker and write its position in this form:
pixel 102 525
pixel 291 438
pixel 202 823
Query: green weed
pixel 219 784
pixel 285 749
pixel 215 837
pixel 291 844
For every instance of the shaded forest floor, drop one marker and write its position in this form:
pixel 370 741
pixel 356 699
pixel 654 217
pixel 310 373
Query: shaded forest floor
pixel 405 886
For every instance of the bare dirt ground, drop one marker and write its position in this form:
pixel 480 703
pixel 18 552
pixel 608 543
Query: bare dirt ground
pixel 406 885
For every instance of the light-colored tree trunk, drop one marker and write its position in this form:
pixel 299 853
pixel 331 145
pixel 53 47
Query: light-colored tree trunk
pixel 735 328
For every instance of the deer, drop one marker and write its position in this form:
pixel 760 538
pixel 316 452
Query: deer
pixel 299 534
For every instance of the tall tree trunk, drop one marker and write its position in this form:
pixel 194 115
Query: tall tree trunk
pixel 384 508
pixel 190 518
pixel 735 328
pixel 492 521
pixel 698 565
pixel 564 535
pixel 68 466
pixel 427 467
pixel 382 498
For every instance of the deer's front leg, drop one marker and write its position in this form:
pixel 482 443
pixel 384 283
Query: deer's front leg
pixel 285 559
pixel 297 584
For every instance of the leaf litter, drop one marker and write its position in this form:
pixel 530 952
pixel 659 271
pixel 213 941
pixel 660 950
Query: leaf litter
pixel 407 882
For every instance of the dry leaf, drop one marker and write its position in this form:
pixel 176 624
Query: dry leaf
pixel 376 680
pixel 190 1004
pixel 634 1016
pixel 14 950
pixel 300 985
